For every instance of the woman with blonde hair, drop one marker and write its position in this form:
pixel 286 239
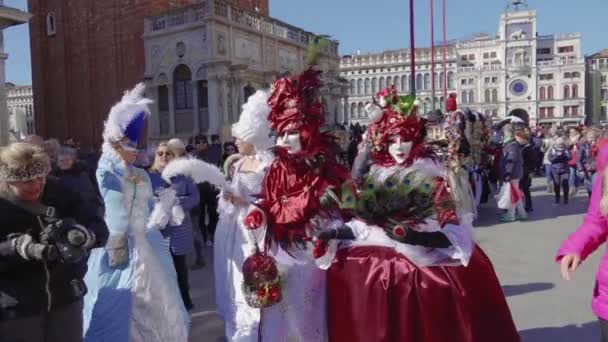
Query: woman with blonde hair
pixel 180 237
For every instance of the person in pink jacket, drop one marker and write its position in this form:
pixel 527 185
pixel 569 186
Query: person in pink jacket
pixel 587 238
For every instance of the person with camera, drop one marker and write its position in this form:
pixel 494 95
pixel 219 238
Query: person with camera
pixel 45 236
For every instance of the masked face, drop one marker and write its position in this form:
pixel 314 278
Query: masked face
pixel 399 149
pixel 290 140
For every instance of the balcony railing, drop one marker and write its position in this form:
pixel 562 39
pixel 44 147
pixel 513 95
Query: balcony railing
pixel 221 9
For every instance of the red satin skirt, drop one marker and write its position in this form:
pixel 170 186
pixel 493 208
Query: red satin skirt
pixel 377 295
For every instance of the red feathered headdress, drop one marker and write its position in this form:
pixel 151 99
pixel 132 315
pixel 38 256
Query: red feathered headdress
pixel 408 126
pixel 295 105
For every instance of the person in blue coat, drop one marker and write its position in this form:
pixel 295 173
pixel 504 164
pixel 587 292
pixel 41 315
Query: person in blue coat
pixel 180 237
pixel 133 294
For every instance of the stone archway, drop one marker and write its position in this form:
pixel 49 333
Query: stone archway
pixel 522 114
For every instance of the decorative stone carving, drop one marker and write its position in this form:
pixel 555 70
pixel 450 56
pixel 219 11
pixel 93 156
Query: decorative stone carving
pixel 221 43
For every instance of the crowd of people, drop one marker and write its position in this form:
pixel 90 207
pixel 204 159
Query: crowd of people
pixel 373 245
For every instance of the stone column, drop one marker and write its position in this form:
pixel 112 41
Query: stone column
pixel 345 112
pixel 214 110
pixel 154 122
pixel 170 90
pixel 196 129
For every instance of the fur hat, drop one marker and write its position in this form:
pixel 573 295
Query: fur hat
pixel 20 162
pixel 253 126
pixel 126 118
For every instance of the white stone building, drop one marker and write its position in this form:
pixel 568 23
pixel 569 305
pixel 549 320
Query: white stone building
pixel 203 62
pixel 8 17
pixel 20 101
pixel 597 88
pixel 518 72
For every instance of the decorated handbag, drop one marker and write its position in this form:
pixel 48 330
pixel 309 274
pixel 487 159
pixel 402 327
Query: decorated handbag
pixel 261 280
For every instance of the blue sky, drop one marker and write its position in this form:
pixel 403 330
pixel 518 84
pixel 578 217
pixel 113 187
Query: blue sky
pixel 383 24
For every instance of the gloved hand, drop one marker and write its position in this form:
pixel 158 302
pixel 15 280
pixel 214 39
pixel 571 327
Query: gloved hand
pixel 25 247
pixel 79 236
pixel 255 219
pixel 118 250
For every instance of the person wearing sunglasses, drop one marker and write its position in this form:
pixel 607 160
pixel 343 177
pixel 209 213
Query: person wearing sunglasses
pixel 180 237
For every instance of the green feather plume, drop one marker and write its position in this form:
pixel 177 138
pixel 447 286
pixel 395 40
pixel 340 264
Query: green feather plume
pixel 316 46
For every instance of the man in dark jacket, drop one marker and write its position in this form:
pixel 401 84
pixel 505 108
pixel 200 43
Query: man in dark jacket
pixel 528 159
pixel 511 172
pixel 45 236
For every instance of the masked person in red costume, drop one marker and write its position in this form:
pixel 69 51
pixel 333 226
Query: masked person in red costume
pixel 290 214
pixel 413 273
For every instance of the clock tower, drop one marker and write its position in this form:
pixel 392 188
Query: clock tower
pixel 518 32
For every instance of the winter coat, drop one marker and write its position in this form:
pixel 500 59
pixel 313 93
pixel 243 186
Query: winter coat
pixel 547 147
pixel 78 179
pixel 529 158
pixel 181 238
pixel 511 162
pixel 589 236
pixel 39 287
pixel 559 161
pixel 587 158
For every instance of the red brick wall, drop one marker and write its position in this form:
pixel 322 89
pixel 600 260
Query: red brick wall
pixel 96 53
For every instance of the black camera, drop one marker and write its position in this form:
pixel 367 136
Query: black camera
pixel 68 236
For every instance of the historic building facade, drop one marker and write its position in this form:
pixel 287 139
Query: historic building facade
pixel 597 86
pixel 8 17
pixel 540 78
pixel 20 101
pixel 203 61
pixel 85 53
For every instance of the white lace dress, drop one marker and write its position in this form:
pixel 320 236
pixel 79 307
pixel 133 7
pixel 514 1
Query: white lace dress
pixel 232 245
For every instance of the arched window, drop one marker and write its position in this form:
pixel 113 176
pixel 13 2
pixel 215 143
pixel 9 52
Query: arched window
pixel 426 105
pixel 574 91
pixel 419 82
pixel 353 110
pixel 487 96
pixel 471 96
pixel 368 88
pixel 566 92
pixel 550 93
pixel 427 81
pixel 359 87
pixel 360 110
pixel 464 96
pixel 182 87
pixel 404 83
pixel 353 87
pixel 495 95
pixel 542 94
pixel 374 86
pixel 440 80
pixel 382 83
pixel 576 74
pixel 442 103
pixel 389 81
pixel 451 80
pixel 51 28
pixel 397 83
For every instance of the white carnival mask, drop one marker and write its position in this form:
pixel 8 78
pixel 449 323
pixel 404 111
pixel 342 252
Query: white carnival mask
pixel 399 149
pixel 290 140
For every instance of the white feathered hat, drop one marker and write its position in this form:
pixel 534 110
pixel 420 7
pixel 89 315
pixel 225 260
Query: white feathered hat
pixel 126 118
pixel 253 126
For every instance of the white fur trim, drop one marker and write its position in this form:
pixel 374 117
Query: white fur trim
pixel 253 126
pixel 163 210
pixel 425 167
pixel 198 170
pixel 122 113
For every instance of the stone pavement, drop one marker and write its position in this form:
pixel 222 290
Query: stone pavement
pixel 545 307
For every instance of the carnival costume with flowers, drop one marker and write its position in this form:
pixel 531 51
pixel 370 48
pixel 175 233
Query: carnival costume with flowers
pixel 414 272
pixel 132 287
pixel 288 215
